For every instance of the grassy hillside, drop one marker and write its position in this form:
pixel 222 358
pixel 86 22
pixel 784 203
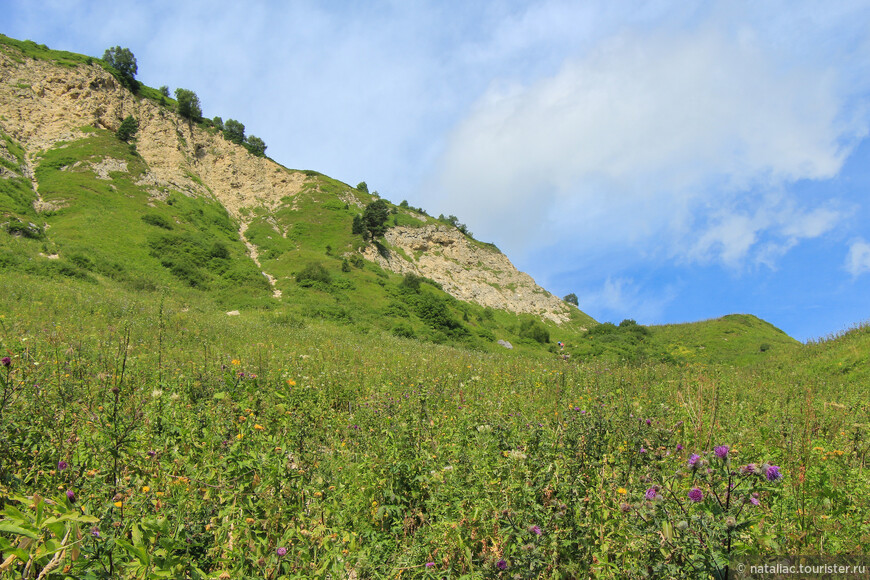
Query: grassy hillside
pixel 199 445
pixel 367 424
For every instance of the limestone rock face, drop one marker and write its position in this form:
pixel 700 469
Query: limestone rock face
pixel 42 104
pixel 466 269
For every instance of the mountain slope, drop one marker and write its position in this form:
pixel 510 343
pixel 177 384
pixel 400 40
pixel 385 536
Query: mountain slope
pixel 184 208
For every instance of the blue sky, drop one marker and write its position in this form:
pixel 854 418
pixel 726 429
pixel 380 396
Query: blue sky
pixel 665 161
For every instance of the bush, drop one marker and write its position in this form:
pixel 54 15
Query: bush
pixel 16 227
pixel 128 128
pixel 534 330
pixel 313 274
pixel 403 330
pixel 411 282
pixel 157 220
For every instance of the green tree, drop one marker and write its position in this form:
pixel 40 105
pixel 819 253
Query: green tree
pixel 123 61
pixel 188 104
pixel 572 299
pixel 255 145
pixel 218 123
pixel 363 187
pixel 375 218
pixel 164 90
pixel 128 128
pixel 234 131
pixel 358 228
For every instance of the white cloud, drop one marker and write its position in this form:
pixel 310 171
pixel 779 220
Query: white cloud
pixel 676 137
pixel 858 259
pixel 620 297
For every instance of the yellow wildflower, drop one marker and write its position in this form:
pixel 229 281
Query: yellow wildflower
pixel 258 427
pixel 621 491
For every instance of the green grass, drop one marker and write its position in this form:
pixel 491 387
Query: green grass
pixel 367 424
pixel 372 455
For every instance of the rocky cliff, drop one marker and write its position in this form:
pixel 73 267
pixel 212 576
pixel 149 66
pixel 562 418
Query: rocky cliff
pixel 43 105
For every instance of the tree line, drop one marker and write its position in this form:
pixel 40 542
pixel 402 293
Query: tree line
pixel 123 63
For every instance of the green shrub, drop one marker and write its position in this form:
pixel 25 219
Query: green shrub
pixel 534 330
pixel 157 220
pixel 312 274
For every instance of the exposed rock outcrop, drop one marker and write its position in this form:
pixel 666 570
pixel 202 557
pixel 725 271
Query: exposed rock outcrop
pixel 466 269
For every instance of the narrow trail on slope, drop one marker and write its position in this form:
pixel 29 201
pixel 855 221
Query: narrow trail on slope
pixel 255 256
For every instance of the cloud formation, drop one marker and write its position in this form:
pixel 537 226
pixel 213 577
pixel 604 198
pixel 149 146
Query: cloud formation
pixel 858 259
pixel 685 138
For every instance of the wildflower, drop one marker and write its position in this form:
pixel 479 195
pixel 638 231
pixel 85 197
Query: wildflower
pixel 236 362
pixel 71 495
pixel 693 460
pixel 282 551
pixel 258 427
pixel 61 465
pixel 145 489
pixel 696 495
pixel 621 491
pixel 748 469
pixel 649 422
pixel 754 501
pixel 119 504
pixel 651 493
pixel 430 564
pixel 772 473
pixel 624 507
pixel 536 530
pixel 642 449
pixel 6 361
pixel 95 532
pixel 721 452
pixel 151 453
pixel 501 564
pixel 291 382
pixel 679 446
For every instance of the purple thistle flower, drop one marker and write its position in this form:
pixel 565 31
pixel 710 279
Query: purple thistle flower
pixel 501 565
pixel 679 446
pixel 61 465
pixel 693 460
pixel 430 564
pixel 754 501
pixel 282 551
pixel 151 453
pixel 6 361
pixel 772 473
pixel 642 449
pixel 651 494
pixel 696 495
pixel 721 452
pixel 649 422
pixel 71 495
pixel 536 530
pixel 748 469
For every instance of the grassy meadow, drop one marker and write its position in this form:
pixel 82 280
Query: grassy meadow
pixel 367 424
pixel 153 436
